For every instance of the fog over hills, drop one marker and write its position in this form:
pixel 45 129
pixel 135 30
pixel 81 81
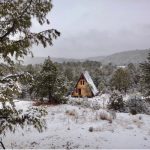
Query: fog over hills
pixel 122 58
pixel 39 60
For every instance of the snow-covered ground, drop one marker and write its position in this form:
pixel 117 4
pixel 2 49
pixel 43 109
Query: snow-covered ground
pixel 97 101
pixel 68 127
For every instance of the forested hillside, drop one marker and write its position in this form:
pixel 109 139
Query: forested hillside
pixel 122 58
pixel 105 77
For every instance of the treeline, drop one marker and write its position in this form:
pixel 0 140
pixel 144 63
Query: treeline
pixel 107 78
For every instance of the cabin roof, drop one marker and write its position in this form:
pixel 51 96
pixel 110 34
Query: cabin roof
pixel 90 82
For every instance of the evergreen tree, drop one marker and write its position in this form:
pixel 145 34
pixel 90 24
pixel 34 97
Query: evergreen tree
pixel 136 105
pixel 69 74
pixel 10 117
pixel 134 72
pixel 121 80
pixel 49 83
pixel 116 102
pixel 146 76
pixel 16 19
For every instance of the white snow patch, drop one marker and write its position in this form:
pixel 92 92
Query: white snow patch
pixel 72 131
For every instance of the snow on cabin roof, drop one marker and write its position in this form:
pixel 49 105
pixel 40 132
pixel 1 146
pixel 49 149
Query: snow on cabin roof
pixel 90 82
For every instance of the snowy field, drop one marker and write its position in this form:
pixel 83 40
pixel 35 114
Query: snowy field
pixel 68 127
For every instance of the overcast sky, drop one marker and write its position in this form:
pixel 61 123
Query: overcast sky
pixel 97 27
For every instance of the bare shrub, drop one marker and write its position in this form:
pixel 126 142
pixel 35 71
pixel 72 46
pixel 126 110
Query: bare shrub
pixel 106 116
pixel 86 104
pixel 96 105
pixel 103 115
pixel 109 118
pixel 112 113
pixel 96 116
pixel 71 112
pixel 137 122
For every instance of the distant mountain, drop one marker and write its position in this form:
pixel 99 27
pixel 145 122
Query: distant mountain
pixel 122 58
pixel 136 57
pixel 39 60
pixel 98 58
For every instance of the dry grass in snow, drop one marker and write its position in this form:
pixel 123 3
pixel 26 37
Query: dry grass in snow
pixel 77 127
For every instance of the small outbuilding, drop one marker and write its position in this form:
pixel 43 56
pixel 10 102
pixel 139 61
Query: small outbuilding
pixel 85 86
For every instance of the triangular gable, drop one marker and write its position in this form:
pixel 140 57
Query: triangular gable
pixel 85 75
pixel 81 76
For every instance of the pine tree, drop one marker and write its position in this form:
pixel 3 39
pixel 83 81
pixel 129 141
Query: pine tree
pixel 10 116
pixel 132 72
pixel 16 19
pixel 116 102
pixel 16 39
pixel 146 76
pixel 49 83
pixel 121 80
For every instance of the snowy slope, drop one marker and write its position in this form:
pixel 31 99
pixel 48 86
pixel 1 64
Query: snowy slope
pixel 66 130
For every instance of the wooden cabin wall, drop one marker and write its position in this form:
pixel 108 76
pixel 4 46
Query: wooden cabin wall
pixel 85 90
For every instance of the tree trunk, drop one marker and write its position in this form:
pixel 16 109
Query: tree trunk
pixel 2 144
pixel 50 97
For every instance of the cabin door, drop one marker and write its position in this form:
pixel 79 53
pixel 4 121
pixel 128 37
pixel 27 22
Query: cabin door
pixel 79 90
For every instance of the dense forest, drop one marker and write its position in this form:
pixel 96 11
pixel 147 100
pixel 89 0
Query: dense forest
pixel 126 79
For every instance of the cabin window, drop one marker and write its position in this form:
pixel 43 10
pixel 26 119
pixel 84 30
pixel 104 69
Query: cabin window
pixel 83 82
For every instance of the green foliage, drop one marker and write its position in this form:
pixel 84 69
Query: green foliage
pixel 16 39
pixel 121 80
pixel 101 86
pixel 134 74
pixel 68 73
pixel 49 83
pixel 16 19
pixel 137 105
pixel 10 117
pixel 116 102
pixel 146 76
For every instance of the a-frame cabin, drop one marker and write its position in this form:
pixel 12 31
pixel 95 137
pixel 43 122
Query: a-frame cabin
pixel 85 87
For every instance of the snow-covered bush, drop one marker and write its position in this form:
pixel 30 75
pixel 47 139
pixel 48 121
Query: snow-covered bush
pixel 116 102
pixel 75 101
pixel 71 112
pixel 137 105
pixel 86 103
pixel 96 105
pixel 80 101
pixel 105 116
pixel 10 116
